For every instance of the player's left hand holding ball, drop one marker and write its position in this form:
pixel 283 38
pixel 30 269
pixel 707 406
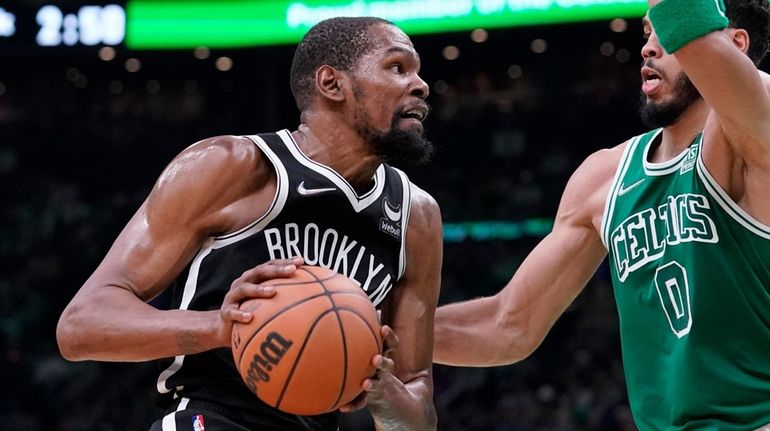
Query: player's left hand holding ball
pixel 376 389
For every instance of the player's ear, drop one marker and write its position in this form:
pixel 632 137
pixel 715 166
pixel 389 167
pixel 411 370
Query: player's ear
pixel 741 39
pixel 329 82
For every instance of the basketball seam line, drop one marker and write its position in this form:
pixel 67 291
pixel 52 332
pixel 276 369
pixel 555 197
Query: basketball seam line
pixel 344 349
pixel 282 310
pixel 273 317
pixel 299 356
pixel 344 340
pixel 336 310
pixel 289 282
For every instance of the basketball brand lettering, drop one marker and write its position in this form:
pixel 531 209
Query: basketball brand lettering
pixel 325 248
pixel 271 351
pixel 644 236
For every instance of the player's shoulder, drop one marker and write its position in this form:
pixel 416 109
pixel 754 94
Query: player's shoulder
pixel 424 212
pixel 587 189
pixel 422 201
pixel 224 149
pixel 214 164
pixel 226 155
pixel 765 78
pixel 602 164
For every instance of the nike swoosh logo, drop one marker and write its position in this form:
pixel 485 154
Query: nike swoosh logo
pixel 393 213
pixel 623 189
pixel 309 192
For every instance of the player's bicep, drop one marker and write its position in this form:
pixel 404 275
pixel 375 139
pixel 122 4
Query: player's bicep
pixel 147 256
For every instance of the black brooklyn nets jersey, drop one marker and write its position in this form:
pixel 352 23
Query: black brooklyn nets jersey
pixel 315 214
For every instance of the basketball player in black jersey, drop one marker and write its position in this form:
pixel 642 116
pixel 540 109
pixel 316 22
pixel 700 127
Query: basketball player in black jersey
pixel 232 211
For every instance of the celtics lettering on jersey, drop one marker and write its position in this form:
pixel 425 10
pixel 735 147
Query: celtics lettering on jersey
pixel 655 208
pixel 644 236
pixel 325 248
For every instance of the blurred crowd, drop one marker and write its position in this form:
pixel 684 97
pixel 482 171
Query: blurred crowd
pixel 82 140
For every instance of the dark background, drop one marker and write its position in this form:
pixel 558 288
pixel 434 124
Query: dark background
pixel 82 141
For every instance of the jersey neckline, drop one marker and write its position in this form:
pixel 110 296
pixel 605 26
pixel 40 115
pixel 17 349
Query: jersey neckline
pixel 359 202
pixel 668 166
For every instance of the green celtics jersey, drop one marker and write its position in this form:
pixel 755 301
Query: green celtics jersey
pixel 691 274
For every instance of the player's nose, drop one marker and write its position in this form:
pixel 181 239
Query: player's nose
pixel 419 88
pixel 651 48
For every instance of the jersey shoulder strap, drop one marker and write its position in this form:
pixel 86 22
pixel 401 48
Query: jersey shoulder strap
pixel 631 160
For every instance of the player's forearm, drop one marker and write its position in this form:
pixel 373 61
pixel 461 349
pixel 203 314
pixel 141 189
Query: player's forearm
pixel 115 326
pixel 475 334
pixel 409 407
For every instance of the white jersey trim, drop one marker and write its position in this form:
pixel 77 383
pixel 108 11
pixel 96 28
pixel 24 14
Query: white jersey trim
pixel 620 173
pixel 662 168
pixel 406 204
pixel 359 203
pixel 279 200
pixel 731 208
pixel 190 286
pixel 169 421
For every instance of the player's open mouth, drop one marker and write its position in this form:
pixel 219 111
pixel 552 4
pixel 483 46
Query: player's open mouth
pixel 651 80
pixel 418 112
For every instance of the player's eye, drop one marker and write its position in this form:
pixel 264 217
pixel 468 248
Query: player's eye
pixel 397 68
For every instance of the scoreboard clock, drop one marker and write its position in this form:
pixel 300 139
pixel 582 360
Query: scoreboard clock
pixel 61 24
pixel 90 25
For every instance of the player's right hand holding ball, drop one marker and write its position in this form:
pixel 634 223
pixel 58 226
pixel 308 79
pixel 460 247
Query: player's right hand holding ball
pixel 247 286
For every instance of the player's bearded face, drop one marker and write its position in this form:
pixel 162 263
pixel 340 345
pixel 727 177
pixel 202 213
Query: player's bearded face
pixel 666 112
pixel 397 146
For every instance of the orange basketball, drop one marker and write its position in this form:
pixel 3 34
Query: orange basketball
pixel 308 349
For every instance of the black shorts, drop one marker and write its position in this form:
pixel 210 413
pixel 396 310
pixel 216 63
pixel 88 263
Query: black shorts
pixel 191 415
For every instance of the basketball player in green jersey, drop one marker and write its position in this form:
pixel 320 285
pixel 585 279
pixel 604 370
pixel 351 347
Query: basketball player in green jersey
pixel 684 213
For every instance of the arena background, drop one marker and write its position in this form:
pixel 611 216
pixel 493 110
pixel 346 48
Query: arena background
pixel 84 132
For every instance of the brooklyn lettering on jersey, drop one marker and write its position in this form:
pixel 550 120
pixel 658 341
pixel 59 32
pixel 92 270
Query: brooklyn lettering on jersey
pixel 327 249
pixel 644 236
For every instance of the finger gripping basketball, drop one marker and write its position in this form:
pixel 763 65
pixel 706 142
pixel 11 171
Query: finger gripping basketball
pixel 308 349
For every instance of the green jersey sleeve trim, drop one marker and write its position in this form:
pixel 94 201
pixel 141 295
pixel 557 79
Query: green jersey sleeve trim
pixel 609 206
pixel 731 208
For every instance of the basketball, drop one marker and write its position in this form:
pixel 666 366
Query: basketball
pixel 308 349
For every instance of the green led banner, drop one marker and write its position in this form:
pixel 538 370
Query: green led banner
pixel 169 24
pixel 487 230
